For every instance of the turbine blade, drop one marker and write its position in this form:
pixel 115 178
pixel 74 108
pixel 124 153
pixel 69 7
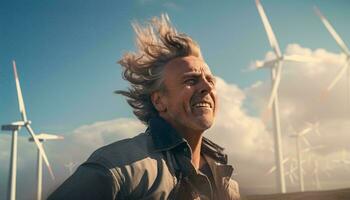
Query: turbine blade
pixel 339 75
pixel 291 178
pixel 304 131
pixel 275 86
pixel 45 136
pixel 265 64
pixel 41 150
pixel 285 160
pixel 19 94
pixel 317 128
pixel 332 31
pixel 268 29
pixel 306 141
pixel 271 170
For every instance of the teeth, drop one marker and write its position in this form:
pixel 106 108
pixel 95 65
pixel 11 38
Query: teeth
pixel 202 105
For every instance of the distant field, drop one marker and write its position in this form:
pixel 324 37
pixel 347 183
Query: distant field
pixel 341 194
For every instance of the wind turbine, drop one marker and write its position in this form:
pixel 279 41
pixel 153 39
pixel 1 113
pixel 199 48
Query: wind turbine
pixel 298 137
pixel 342 46
pixel 42 137
pixel 291 172
pixel 276 68
pixel 15 127
pixel 315 173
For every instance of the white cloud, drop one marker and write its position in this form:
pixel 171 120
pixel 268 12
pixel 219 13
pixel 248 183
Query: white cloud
pixel 241 134
pixel 300 101
pixel 101 133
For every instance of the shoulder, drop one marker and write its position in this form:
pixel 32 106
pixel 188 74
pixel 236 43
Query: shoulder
pixel 133 165
pixel 123 152
pixel 87 182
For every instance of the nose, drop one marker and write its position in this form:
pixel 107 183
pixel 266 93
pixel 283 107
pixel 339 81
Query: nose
pixel 206 86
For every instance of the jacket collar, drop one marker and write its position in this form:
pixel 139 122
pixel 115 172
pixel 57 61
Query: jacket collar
pixel 163 135
pixel 165 138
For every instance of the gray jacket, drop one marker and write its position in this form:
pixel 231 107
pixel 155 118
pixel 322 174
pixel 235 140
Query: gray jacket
pixel 152 165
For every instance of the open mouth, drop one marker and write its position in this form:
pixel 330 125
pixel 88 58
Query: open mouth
pixel 202 104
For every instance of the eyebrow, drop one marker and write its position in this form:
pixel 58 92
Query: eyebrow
pixel 189 74
pixel 196 74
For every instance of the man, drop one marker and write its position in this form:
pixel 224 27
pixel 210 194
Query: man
pixel 172 92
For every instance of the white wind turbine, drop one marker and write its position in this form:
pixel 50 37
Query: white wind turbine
pixel 42 137
pixel 276 67
pixel 316 175
pixel 15 127
pixel 298 137
pixel 291 172
pixel 342 46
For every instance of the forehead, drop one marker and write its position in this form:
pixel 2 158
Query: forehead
pixel 181 66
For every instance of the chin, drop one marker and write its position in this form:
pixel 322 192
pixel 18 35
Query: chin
pixel 204 124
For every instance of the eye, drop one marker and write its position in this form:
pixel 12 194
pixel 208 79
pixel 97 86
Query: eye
pixel 211 81
pixel 190 81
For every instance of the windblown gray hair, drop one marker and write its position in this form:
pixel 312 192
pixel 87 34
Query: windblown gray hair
pixel 158 42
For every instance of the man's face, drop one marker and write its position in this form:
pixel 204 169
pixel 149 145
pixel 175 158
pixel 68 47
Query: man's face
pixel 190 96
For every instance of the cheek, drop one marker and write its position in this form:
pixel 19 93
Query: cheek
pixel 216 102
pixel 216 107
pixel 186 96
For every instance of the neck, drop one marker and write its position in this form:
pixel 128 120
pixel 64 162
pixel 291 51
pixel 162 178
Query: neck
pixel 193 138
pixel 195 142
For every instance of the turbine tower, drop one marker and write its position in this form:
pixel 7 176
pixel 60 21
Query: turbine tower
pixel 15 127
pixel 276 68
pixel 342 46
pixel 42 137
pixel 316 175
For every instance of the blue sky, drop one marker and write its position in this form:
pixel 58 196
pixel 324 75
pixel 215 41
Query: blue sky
pixel 66 51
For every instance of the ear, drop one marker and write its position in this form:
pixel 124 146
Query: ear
pixel 158 101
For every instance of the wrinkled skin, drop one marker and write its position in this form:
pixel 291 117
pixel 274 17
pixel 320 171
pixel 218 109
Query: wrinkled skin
pixel 189 100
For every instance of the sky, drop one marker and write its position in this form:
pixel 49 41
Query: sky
pixel 67 52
